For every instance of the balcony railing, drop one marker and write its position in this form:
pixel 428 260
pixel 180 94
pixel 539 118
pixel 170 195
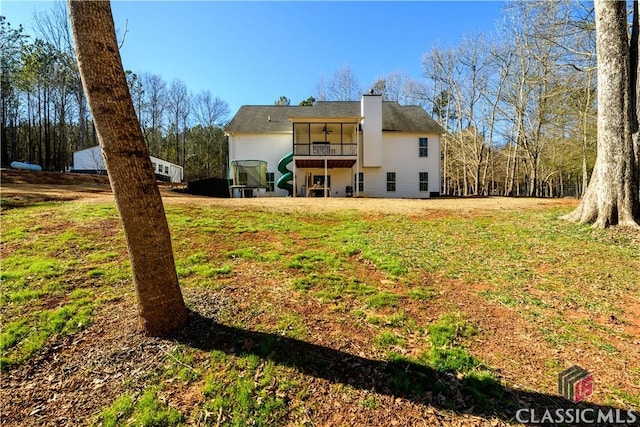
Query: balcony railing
pixel 324 149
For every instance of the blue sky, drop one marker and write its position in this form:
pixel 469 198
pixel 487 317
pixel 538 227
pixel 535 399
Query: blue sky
pixel 255 52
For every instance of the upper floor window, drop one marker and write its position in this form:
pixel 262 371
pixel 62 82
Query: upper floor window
pixel 423 147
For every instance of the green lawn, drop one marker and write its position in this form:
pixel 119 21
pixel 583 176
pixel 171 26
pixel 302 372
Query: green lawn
pixel 391 287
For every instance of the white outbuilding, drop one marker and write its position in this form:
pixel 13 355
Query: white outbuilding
pixel 90 160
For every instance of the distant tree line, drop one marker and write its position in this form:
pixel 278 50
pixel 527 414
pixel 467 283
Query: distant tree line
pixel 45 117
pixel 519 106
pixel 520 110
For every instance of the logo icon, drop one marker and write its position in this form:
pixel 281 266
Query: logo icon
pixel 575 383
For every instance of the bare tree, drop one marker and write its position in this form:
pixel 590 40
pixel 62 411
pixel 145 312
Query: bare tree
pixel 210 112
pixel 152 118
pixel 53 27
pixel 343 86
pixel 179 108
pixel 160 301
pixel 439 65
pixel 400 87
pixel 463 74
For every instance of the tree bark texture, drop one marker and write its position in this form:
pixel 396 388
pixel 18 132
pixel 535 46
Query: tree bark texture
pixel 612 195
pixel 133 182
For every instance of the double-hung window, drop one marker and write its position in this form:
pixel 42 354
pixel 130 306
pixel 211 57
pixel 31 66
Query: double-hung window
pixel 423 147
pixel 391 181
pixel 424 181
pixel 360 180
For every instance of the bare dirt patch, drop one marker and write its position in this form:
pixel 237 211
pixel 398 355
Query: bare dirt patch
pixel 42 186
pixel 75 377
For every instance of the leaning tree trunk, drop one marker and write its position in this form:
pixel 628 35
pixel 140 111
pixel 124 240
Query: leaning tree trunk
pixel 612 195
pixel 160 301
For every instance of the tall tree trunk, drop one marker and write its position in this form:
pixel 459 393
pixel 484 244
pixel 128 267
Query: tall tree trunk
pixel 634 92
pixel 508 184
pixel 612 195
pixel 160 301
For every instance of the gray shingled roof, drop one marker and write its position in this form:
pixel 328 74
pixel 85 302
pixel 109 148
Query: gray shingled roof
pixel 275 118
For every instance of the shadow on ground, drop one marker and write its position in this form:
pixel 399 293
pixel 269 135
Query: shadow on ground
pixel 401 378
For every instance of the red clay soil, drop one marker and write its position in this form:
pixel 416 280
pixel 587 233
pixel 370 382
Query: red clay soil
pixel 75 377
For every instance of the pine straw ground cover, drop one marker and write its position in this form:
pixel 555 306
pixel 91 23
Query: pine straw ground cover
pixel 311 313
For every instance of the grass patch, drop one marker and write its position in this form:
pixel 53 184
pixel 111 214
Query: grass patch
pixel 292 325
pixel 422 294
pixel 22 338
pixel 254 254
pixel 211 271
pixel 369 403
pixel 181 365
pixel 118 412
pixel 383 299
pixel 331 286
pixel 388 339
pixel 21 295
pixel 483 387
pixel 446 336
pixel 412 377
pixel 146 411
pixel 314 260
pixel 27 266
pixel 246 393
pixel 631 399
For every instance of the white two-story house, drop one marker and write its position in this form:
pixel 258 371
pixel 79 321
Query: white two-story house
pixel 371 148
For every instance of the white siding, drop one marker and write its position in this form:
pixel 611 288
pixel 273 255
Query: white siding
pixel 270 148
pixel 401 157
pixel 89 159
pixel 168 169
pixel 400 154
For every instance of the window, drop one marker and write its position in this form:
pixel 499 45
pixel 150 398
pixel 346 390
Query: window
pixel 159 168
pixel 166 170
pixel 391 181
pixel 270 181
pixel 360 179
pixel 153 165
pixel 423 147
pixel 424 181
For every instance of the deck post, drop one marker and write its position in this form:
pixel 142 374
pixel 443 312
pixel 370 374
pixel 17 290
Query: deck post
pixel 325 177
pixel 357 159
